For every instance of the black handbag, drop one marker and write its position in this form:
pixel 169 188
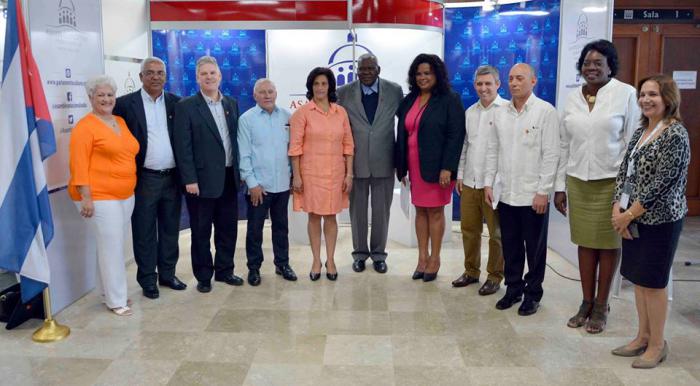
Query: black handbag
pixel 14 312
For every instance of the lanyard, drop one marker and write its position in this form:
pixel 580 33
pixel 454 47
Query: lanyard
pixel 640 143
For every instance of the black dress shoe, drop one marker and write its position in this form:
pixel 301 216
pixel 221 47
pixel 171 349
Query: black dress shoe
pixel 358 265
pixel 380 266
pixel 528 307
pixel 464 280
pixel 507 301
pixel 417 275
pixel 331 276
pixel 314 275
pixel 287 272
pixel 204 287
pixel 151 292
pixel 173 283
pixel 429 276
pixel 489 288
pixel 254 277
pixel 230 280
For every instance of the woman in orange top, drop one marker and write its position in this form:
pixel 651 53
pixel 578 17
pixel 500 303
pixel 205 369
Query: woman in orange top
pixel 321 147
pixel 103 177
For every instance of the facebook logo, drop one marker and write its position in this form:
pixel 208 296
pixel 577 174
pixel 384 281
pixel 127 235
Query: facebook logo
pixel 69 96
pixel 67 72
pixel 70 119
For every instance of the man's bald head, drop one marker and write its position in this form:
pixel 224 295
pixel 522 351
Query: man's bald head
pixel 521 81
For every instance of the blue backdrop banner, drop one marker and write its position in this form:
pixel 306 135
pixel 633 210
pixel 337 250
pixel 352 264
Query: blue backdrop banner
pixel 240 54
pixel 507 35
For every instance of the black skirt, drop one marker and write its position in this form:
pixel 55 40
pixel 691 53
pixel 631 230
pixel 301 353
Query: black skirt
pixel 646 260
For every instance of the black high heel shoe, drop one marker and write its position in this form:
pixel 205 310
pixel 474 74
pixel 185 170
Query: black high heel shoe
pixel 314 275
pixel 417 275
pixel 330 276
pixel 429 276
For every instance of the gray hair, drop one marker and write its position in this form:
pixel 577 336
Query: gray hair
pixel 368 56
pixel 260 81
pixel 487 70
pixel 206 59
pixel 100 80
pixel 149 60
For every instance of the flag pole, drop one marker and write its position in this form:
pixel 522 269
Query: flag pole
pixel 51 331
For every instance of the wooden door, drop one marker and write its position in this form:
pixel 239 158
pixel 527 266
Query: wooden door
pixel 647 49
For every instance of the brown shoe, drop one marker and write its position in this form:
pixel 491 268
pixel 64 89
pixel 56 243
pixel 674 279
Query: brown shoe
pixel 464 280
pixel 489 288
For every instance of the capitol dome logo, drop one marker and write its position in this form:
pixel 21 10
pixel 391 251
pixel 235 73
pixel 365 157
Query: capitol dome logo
pixel 342 62
pixel 582 27
pixel 66 14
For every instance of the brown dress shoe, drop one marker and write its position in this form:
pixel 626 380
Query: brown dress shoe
pixel 464 280
pixel 489 288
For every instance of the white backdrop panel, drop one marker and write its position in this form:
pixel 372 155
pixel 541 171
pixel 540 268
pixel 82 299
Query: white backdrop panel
pixel 582 21
pixel 293 53
pixel 66 41
pixel 125 74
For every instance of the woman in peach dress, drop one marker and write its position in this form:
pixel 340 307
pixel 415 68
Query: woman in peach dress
pixel 321 149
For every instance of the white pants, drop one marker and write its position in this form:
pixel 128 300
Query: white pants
pixel 109 225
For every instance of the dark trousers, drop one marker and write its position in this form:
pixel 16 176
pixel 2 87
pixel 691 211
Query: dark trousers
pixel 222 213
pixel 382 192
pixel 155 225
pixel 276 204
pixel 523 233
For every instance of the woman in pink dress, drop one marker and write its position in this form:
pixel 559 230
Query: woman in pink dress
pixel 430 134
pixel 321 148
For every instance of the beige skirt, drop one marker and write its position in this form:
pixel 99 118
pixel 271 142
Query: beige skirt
pixel 590 208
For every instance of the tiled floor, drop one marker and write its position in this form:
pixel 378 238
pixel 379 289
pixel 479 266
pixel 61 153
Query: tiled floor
pixel 364 329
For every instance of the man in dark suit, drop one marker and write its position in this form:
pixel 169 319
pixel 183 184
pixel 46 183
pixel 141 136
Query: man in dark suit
pixel 206 150
pixel 155 222
pixel 371 104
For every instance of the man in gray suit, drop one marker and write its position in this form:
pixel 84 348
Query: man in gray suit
pixel 371 104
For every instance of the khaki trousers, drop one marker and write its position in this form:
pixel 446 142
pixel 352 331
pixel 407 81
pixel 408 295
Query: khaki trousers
pixel 473 210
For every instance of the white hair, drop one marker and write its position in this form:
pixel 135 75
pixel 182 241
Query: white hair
pixel 260 81
pixel 149 60
pixel 100 80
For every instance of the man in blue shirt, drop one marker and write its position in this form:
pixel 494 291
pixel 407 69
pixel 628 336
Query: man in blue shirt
pixel 263 138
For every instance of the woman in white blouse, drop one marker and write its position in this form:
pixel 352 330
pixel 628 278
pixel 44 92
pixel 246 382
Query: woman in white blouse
pixel 598 120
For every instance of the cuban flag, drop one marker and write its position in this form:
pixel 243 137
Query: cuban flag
pixel 26 140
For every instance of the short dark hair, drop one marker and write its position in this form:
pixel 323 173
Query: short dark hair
pixel 670 95
pixel 332 97
pixel 606 49
pixel 442 84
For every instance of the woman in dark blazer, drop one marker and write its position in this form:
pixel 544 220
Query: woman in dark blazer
pixel 428 145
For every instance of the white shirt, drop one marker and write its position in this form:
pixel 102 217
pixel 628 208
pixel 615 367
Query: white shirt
pixel 159 152
pixel 217 110
pixel 594 142
pixel 524 150
pixel 479 123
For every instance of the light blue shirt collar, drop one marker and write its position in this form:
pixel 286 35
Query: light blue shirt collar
pixel 259 109
pixel 374 88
